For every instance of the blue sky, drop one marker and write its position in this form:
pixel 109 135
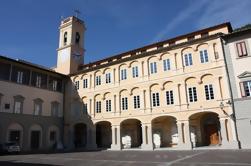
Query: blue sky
pixel 29 28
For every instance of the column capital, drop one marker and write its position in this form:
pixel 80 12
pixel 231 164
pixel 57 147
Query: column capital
pixel 182 121
pixel 113 126
pixel 146 124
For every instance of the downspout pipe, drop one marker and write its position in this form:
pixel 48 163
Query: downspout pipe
pixel 223 42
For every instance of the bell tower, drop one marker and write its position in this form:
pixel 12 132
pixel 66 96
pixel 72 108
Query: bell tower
pixel 71 43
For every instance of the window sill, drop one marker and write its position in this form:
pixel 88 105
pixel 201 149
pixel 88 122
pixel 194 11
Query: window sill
pixel 243 57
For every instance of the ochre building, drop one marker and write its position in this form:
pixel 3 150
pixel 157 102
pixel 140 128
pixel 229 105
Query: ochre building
pixel 171 94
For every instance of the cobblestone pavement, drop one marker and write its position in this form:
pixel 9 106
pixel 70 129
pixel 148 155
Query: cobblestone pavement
pixel 133 158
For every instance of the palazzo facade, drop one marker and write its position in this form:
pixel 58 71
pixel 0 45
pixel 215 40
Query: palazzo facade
pixel 174 94
pixel 171 94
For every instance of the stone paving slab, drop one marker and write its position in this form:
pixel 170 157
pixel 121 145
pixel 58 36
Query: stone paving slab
pixel 133 158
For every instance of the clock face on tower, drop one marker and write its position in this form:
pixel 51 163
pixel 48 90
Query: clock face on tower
pixel 64 56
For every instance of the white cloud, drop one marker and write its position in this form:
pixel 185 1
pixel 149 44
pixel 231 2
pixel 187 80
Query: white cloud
pixel 181 17
pixel 235 11
pixel 205 13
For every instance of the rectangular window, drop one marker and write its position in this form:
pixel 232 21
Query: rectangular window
pixel 54 109
pixel 17 107
pixel 20 77
pixel 54 85
pixel 6 106
pixel 98 80
pixel 136 101
pixel 192 94
pixel 108 78
pixel 38 81
pixel 85 108
pixel 98 106
pixel 135 71
pixel 188 59
pixel 169 97
pixel 241 49
pixel 108 104
pixel 246 88
pixel 155 99
pixel 153 67
pixel 85 83
pixel 209 92
pixel 123 74
pixel 203 56
pixel 77 85
pixel 166 64
pixel 38 109
pixel 124 103
pixel 53 136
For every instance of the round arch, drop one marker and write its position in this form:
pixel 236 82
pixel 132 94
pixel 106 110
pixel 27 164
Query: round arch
pixel 205 129
pixel 103 134
pixel 36 135
pixel 165 131
pixel 80 135
pixel 15 133
pixel 131 133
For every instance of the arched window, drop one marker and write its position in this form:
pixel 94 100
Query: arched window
pixel 77 38
pixel 65 38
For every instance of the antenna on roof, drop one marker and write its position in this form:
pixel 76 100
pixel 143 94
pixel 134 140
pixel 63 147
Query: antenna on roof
pixel 77 13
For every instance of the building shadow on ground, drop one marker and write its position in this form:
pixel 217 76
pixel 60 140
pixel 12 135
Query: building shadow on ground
pixel 10 163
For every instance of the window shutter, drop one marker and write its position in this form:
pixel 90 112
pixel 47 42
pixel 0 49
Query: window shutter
pixel 238 46
pixel 244 50
pixel 242 89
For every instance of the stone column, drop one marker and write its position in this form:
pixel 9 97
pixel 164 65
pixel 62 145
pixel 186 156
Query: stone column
pixel 91 137
pixel 90 86
pixel 176 94
pixel 223 131
pixel 185 136
pixel 116 138
pixel 90 107
pixel 147 141
pixel 148 99
pixel 117 103
pixel 114 76
pixel 217 89
pixel 180 134
pixel 114 106
pixel 142 100
pixel 183 94
pixel 142 69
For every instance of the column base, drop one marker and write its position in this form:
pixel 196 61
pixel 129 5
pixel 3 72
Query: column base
pixel 115 147
pixel 185 146
pixel 91 146
pixel 230 145
pixel 147 147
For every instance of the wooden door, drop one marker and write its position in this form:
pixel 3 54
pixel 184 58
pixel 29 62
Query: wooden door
pixel 211 133
pixel 35 139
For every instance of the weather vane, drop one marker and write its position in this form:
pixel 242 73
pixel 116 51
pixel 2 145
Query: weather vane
pixel 77 12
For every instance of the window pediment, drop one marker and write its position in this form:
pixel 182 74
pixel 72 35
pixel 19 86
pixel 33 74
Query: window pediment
pixel 38 100
pixel 245 74
pixel 19 97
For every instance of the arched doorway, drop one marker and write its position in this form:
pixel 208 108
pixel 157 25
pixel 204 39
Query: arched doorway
pixel 165 132
pixel 205 129
pixel 80 135
pixel 15 133
pixel 103 134
pixel 36 135
pixel 131 133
